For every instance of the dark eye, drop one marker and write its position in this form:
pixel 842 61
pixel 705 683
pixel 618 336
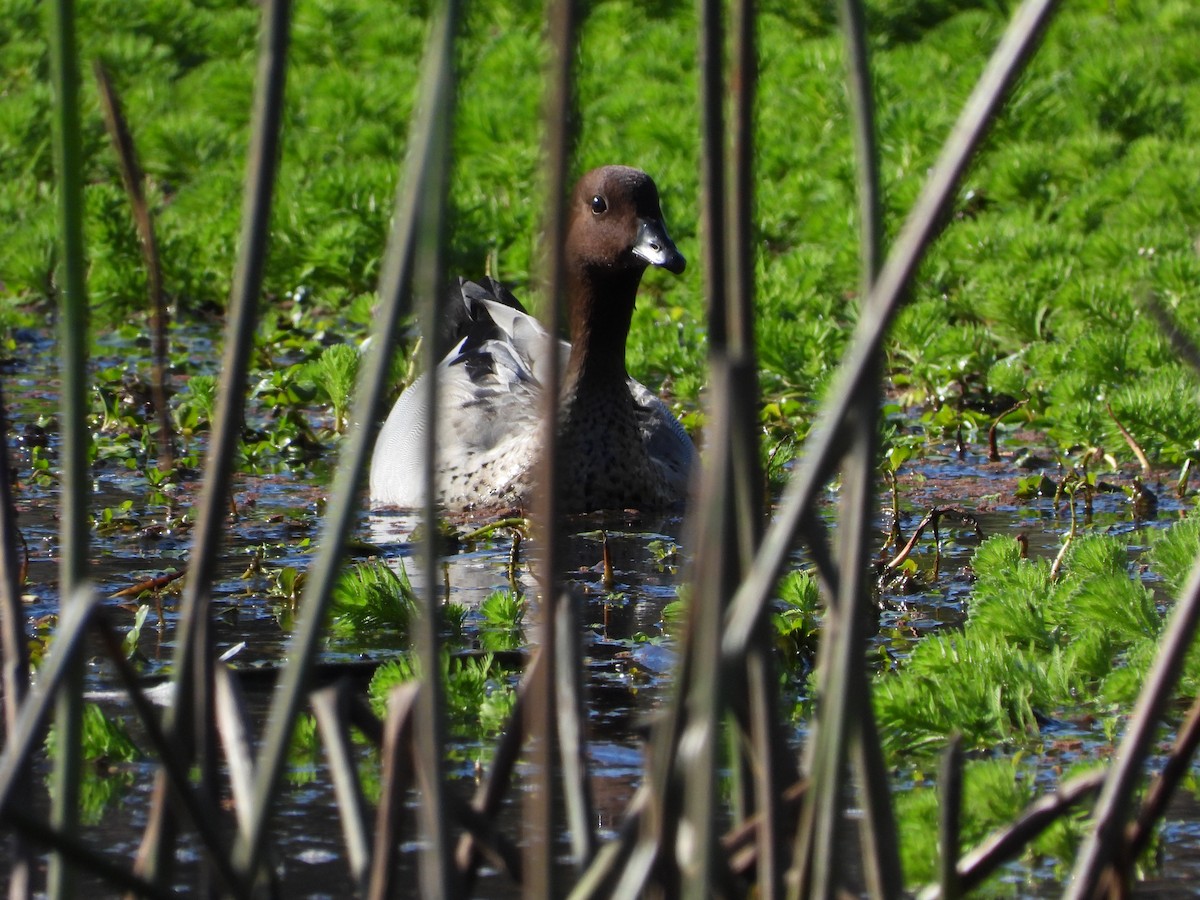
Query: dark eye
pixel 598 205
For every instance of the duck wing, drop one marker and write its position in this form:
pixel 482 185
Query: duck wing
pixel 488 406
pixel 667 443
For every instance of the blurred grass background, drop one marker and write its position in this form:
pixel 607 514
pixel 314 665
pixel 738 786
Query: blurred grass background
pixel 1087 196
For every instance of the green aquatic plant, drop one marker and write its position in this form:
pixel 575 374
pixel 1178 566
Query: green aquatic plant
pixel 503 614
pixel 116 519
pixel 196 403
pixel 304 751
pixel 797 619
pixel 1033 647
pixel 478 694
pixel 1174 551
pixel 993 793
pixel 372 598
pixel 334 373
pixel 104 739
pixel 129 644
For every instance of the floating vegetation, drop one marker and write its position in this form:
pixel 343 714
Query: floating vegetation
pixel 370 599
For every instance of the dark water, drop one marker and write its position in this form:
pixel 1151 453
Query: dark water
pixel 626 675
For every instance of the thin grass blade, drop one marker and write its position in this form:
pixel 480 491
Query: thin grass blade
pixel 131 177
pixel 233 728
pixel 205 817
pixel 542 801
pixel 14 657
pixel 330 708
pixel 189 724
pixel 52 676
pixel 396 776
pixel 572 716
pixel 73 362
pixel 438 873
pixel 691 813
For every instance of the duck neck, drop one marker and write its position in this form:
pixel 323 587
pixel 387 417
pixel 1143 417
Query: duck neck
pixel 601 308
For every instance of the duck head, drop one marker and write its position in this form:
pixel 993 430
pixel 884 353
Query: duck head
pixel 615 232
pixel 616 223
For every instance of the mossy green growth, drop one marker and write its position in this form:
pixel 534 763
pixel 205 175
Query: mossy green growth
pixel 197 406
pixel 1034 650
pixel 503 614
pixel 1174 552
pixel 994 792
pixel 106 744
pixel 797 619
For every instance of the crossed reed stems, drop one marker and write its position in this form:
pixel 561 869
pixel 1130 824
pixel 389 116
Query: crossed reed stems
pixel 786 812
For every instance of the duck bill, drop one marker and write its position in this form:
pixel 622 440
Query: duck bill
pixel 655 246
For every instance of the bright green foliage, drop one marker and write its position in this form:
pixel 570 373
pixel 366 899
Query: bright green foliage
pixel 478 699
pixel 993 793
pixel 503 612
pixel 1032 647
pixel 391 674
pixel 104 739
pixel 1173 555
pixel 129 644
pixel 198 404
pixel 334 374
pixel 372 598
pixel 1175 551
pixel 797 618
pixel 304 751
pixel 1082 203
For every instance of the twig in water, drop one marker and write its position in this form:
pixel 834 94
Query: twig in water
pixel 1062 553
pixel 151 584
pixel 933 517
pixel 608 579
pixel 993 452
pixel 1130 440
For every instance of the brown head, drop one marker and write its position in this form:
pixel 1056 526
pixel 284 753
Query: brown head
pixel 615 231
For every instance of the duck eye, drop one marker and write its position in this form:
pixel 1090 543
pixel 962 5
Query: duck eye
pixel 598 205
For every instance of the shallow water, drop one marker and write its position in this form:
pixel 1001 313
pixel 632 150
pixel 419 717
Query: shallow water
pixel 626 674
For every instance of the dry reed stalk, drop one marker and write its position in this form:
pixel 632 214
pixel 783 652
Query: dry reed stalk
pixel 427 154
pixel 73 451
pixel 542 802
pixel 14 659
pixel 131 177
pixel 190 722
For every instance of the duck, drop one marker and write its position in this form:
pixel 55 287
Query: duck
pixel 620 446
